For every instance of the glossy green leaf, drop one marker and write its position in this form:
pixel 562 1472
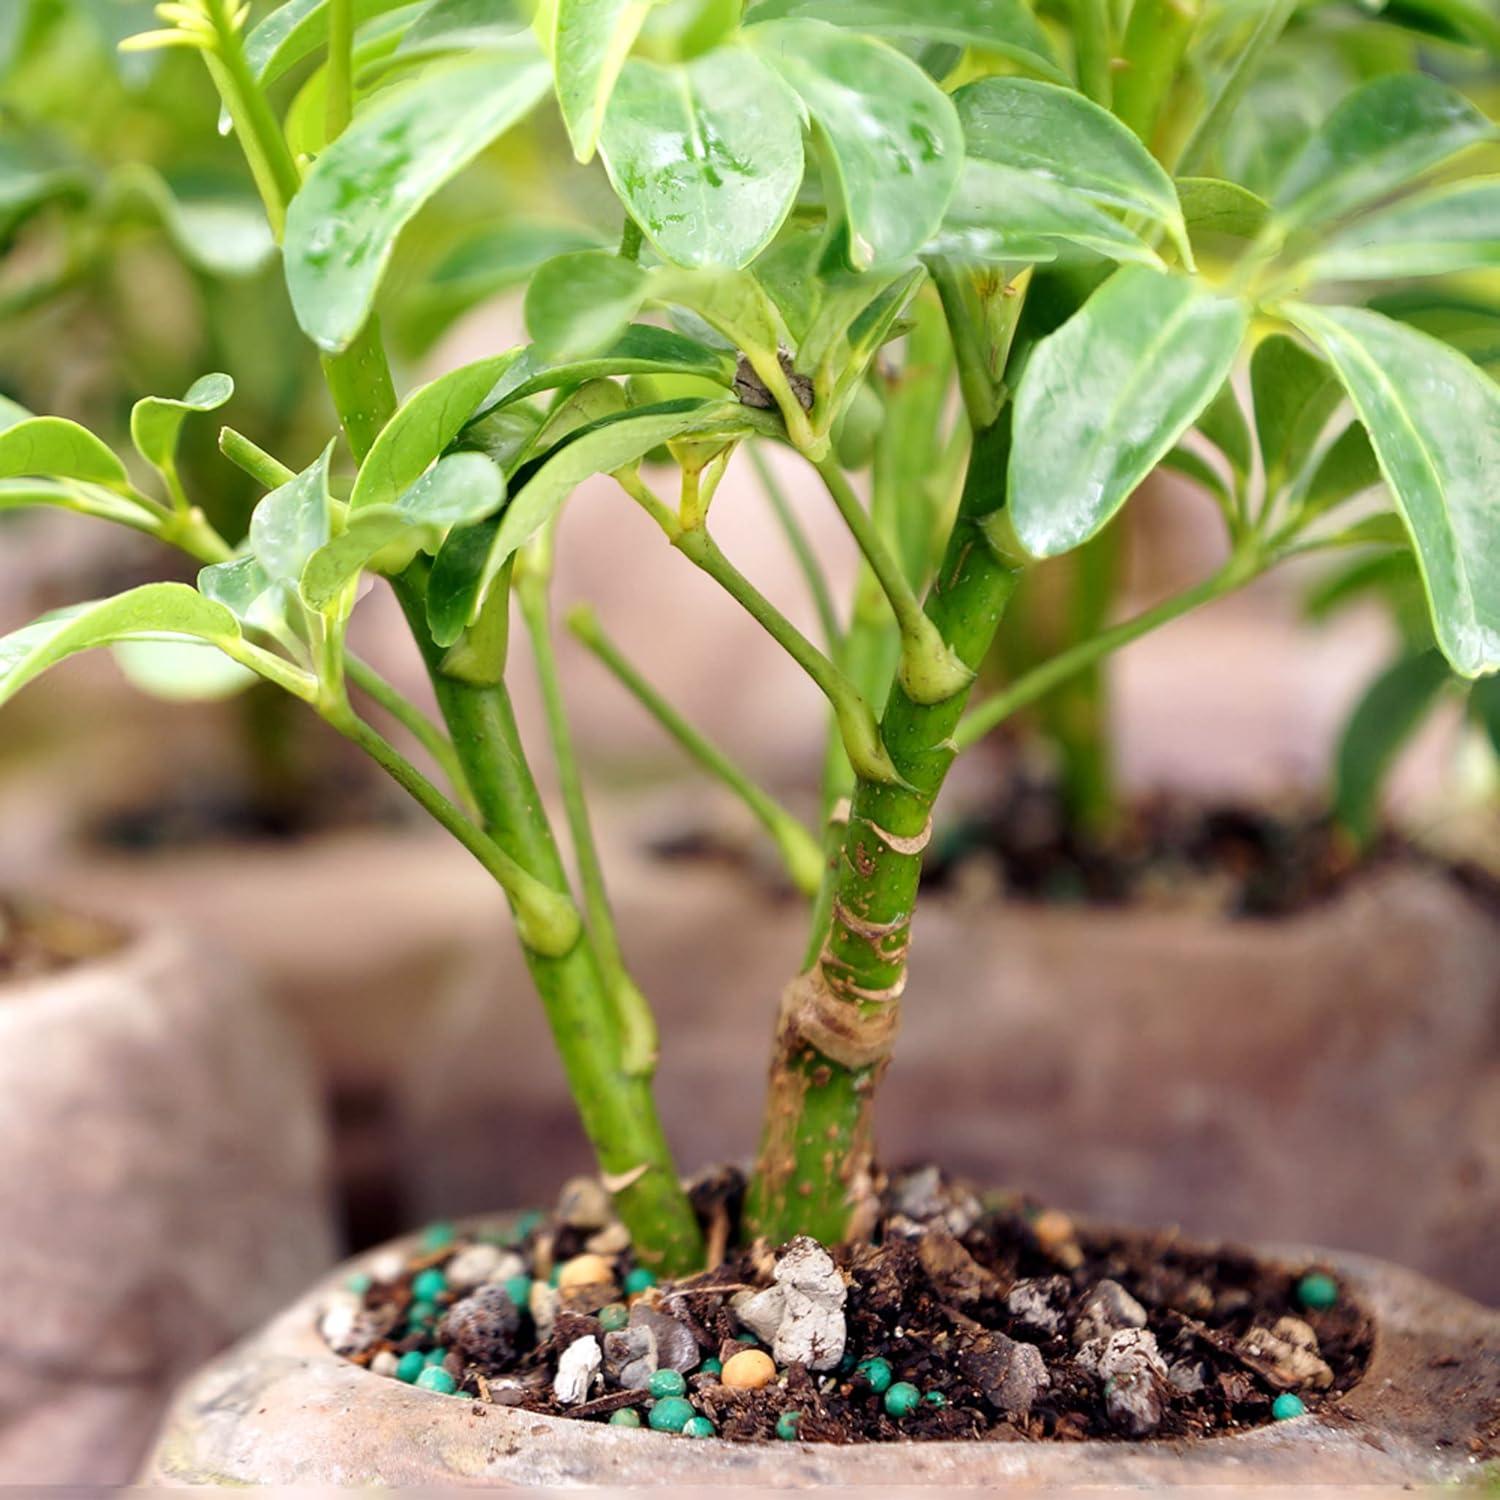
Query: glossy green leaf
pixel 1106 396
pixel 892 137
pixel 1376 141
pixel 462 26
pixel 292 522
pixel 1004 27
pixel 1434 421
pixel 504 435
pixel 1212 207
pixel 472 558
pixel 640 350
pixel 243 587
pixel 1223 423
pixel 154 610
pixel 181 671
pixel 1195 467
pixel 590 42
pixel 580 303
pixel 1471 23
pixel 422 428
pixel 55 448
pixel 497 257
pixel 1005 214
pixel 1060 135
pixel 456 491
pixel 1387 715
pixel 296 30
pixel 156 421
pixel 1389 576
pixel 1452 228
pixel 361 192
pixel 1347 469
pixel 1295 394
pixel 706 155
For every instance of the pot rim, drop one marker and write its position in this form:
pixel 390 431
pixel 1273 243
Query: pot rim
pixel 1375 1430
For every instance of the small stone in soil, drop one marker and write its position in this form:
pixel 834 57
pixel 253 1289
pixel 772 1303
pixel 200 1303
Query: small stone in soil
pixel 474 1265
pixel 1037 1303
pixel 613 1317
pixel 749 1370
pixel 1317 1291
pixel 1109 1307
pixel 638 1280
pixel 698 1427
pixel 435 1378
pixel 812 1330
pixel 877 1373
pixel 583 1204
pixel 576 1369
pixel 630 1357
pixel 676 1348
pixel 410 1365
pixel 902 1399
pixel 1287 1405
pixel 666 1383
pixel 671 1414
pixel 385 1363
pixel 627 1416
pixel 787 1424
pixel 484 1325
pixel 585 1270
pixel 1287 1355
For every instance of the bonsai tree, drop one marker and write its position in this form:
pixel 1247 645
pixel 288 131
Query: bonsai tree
pixel 836 216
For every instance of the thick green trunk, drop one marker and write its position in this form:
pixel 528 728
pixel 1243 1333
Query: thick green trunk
pixel 838 1020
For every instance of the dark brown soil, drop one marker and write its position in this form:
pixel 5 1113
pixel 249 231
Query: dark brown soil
pixel 38 938
pixel 1011 1323
pixel 1240 860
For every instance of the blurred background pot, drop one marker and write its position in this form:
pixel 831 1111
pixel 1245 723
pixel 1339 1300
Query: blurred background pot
pixel 281 1408
pixel 1330 1076
pixel 162 1183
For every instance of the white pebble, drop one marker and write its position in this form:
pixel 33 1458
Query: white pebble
pixel 576 1370
pixel 386 1265
pixel 385 1363
pixel 473 1265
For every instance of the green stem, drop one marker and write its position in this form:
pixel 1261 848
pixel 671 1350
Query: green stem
pixel 1156 39
pixel 617 1110
pixel 1273 21
pixel 638 1034
pixel 929 671
pixel 411 718
pixel 1093 49
pixel 807 559
pixel 340 85
pixel 1042 680
pixel 545 919
pixel 815 1170
pixel 268 472
pixel 261 141
pixel 359 380
pixel 799 850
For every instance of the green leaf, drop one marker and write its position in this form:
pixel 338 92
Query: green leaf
pixel 1004 27
pixel 1389 576
pixel 297 30
pixel 362 191
pixel 1434 421
pixel 462 26
pixel 457 490
pixel 1452 228
pixel 1468 22
pixel 580 303
pixel 1005 214
pixel 1213 207
pixel 422 428
pixel 156 421
pixel 1106 396
pixel 504 435
pixel 590 41
pixel 1222 422
pixel 292 522
pixel 1295 394
pixel 640 350
pixel 1347 469
pixel 1376 141
pixel 55 448
pixel 181 671
pixel 1195 467
pixel 153 611
pixel 1060 135
pixel 1386 717
pixel 216 228
pixel 26 188
pixel 707 155
pixel 1484 705
pixel 243 587
pixel 1469 322
pixel 892 137
pixel 472 557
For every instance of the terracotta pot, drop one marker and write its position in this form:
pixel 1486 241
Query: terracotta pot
pixel 1332 1077
pixel 282 1409
pixel 162 1188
